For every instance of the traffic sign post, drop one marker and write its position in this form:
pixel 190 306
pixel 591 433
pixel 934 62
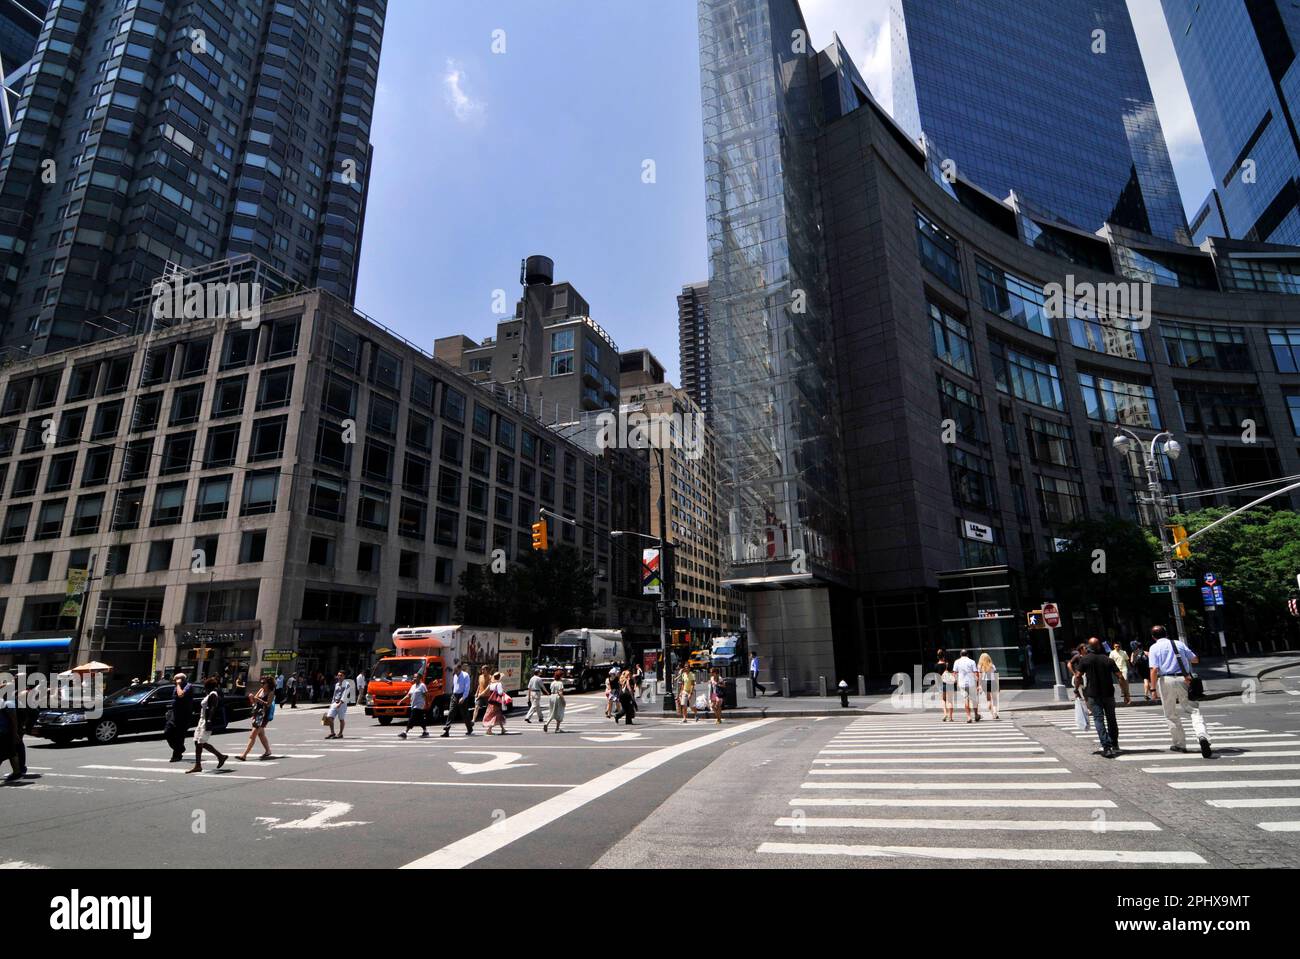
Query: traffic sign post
pixel 1052 619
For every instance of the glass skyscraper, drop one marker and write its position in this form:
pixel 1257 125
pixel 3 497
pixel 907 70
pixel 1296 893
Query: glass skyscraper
pixel 1239 61
pixel 1048 98
pixel 151 133
pixel 20 22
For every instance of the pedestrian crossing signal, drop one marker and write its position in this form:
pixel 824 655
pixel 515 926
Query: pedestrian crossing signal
pixel 1181 549
pixel 1034 619
pixel 539 536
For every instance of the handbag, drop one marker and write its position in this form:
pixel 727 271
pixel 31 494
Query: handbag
pixel 1196 688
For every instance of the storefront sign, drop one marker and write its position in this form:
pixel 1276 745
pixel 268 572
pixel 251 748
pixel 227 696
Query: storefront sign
pixel 279 655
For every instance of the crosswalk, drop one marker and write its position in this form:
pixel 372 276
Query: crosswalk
pixel 909 788
pixel 1235 766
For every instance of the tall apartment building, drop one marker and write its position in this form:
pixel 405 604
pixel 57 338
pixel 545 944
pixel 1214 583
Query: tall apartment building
pixel 935 310
pixel 693 343
pixel 151 133
pixel 305 485
pixel 1046 98
pixel 691 475
pixel 20 25
pixel 1239 61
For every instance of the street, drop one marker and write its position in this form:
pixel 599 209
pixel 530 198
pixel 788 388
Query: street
pixel 887 790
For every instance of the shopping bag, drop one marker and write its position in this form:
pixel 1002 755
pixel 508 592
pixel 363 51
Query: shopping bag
pixel 1080 715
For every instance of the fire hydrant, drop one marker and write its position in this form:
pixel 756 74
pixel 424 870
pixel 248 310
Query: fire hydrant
pixel 844 694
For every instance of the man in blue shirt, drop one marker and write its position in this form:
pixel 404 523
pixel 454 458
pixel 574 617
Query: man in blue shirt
pixel 460 693
pixel 753 675
pixel 1171 677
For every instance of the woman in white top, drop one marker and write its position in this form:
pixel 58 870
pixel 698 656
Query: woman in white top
pixel 557 701
pixel 989 680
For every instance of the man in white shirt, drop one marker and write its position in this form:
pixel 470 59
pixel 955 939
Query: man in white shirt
pixel 418 716
pixel 338 708
pixel 535 688
pixel 361 687
pixel 1171 678
pixel 968 680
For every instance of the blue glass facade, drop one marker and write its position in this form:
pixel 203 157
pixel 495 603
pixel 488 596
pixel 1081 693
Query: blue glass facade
pixel 20 24
pixel 1242 72
pixel 1013 92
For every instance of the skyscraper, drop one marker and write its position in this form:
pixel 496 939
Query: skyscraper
pixel 154 133
pixel 1239 61
pixel 693 342
pixel 1044 97
pixel 20 24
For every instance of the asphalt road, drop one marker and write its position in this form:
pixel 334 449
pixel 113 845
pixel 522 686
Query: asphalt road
pixel 895 790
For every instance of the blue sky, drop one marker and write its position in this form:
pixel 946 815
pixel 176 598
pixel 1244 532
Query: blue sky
pixel 483 158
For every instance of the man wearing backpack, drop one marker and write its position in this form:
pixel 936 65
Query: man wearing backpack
pixel 210 720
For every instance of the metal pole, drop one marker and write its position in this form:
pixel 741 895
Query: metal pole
pixel 1058 687
pixel 1158 504
pixel 666 595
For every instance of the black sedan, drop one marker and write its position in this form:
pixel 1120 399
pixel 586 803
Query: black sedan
pixel 137 709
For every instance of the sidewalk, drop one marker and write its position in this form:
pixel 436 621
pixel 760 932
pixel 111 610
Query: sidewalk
pixel 1218 685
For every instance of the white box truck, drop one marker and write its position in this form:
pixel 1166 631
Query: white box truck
pixel 584 655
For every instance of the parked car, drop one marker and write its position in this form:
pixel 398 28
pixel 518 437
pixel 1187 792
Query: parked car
pixel 136 709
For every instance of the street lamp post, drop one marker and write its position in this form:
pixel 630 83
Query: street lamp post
pixel 665 597
pixel 1123 443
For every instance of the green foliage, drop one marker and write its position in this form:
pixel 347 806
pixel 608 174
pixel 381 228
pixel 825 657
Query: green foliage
pixel 1105 573
pixel 543 592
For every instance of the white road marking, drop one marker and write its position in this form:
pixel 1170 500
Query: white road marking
pixel 972 787
pixel 962 803
pixel 1293 826
pixel 1132 755
pixel 1283 803
pixel 486 841
pixel 1221 767
pixel 498 763
pixel 612 737
pixel 876 751
pixel 151 759
pixel 1065 856
pixel 416 782
pixel 207 771
pixel 940 772
pixel 20 864
pixel 1238 784
pixel 123 779
pixel 1002 825
pixel 952 762
pixel 325 816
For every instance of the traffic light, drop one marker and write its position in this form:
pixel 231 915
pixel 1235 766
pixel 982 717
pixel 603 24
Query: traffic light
pixel 1034 619
pixel 539 536
pixel 1181 549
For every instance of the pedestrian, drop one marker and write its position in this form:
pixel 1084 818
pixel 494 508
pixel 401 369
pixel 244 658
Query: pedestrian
pixel 1029 664
pixel 209 720
pixel 1099 671
pixel 686 692
pixel 1076 685
pixel 968 679
pixel 557 701
pixel 753 674
pixel 496 709
pixel 1141 668
pixel 179 714
pixel 338 708
pixel 1120 658
pixel 989 680
pixel 536 687
pixel 481 693
pixel 1172 677
pixel 638 678
pixel 291 690
pixel 362 681
pixel 279 688
pixel 417 715
pixel 458 708
pixel 626 697
pixel 717 691
pixel 263 703
pixel 947 684
pixel 11 732
pixel 611 693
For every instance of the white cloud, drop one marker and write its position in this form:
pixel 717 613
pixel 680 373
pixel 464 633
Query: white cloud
pixel 465 107
pixel 863 25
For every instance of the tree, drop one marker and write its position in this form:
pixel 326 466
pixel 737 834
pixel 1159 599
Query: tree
pixel 553 590
pixel 1257 557
pixel 1105 573
pixel 485 598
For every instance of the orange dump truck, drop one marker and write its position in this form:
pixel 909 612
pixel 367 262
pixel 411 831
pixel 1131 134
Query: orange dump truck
pixel 432 652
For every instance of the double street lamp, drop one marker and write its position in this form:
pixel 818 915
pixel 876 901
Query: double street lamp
pixel 1124 443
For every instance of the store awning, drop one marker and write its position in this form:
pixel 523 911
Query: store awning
pixel 35 645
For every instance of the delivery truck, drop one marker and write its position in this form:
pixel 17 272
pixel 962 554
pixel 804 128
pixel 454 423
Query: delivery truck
pixel 585 656
pixel 432 652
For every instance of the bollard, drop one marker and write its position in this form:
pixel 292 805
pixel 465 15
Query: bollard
pixel 750 681
pixel 862 685
pixel 785 686
pixel 821 685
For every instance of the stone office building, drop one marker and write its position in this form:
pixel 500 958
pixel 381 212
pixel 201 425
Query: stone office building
pixel 306 485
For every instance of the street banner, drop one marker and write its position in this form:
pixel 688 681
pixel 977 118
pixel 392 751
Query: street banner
pixel 651 582
pixel 76 589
